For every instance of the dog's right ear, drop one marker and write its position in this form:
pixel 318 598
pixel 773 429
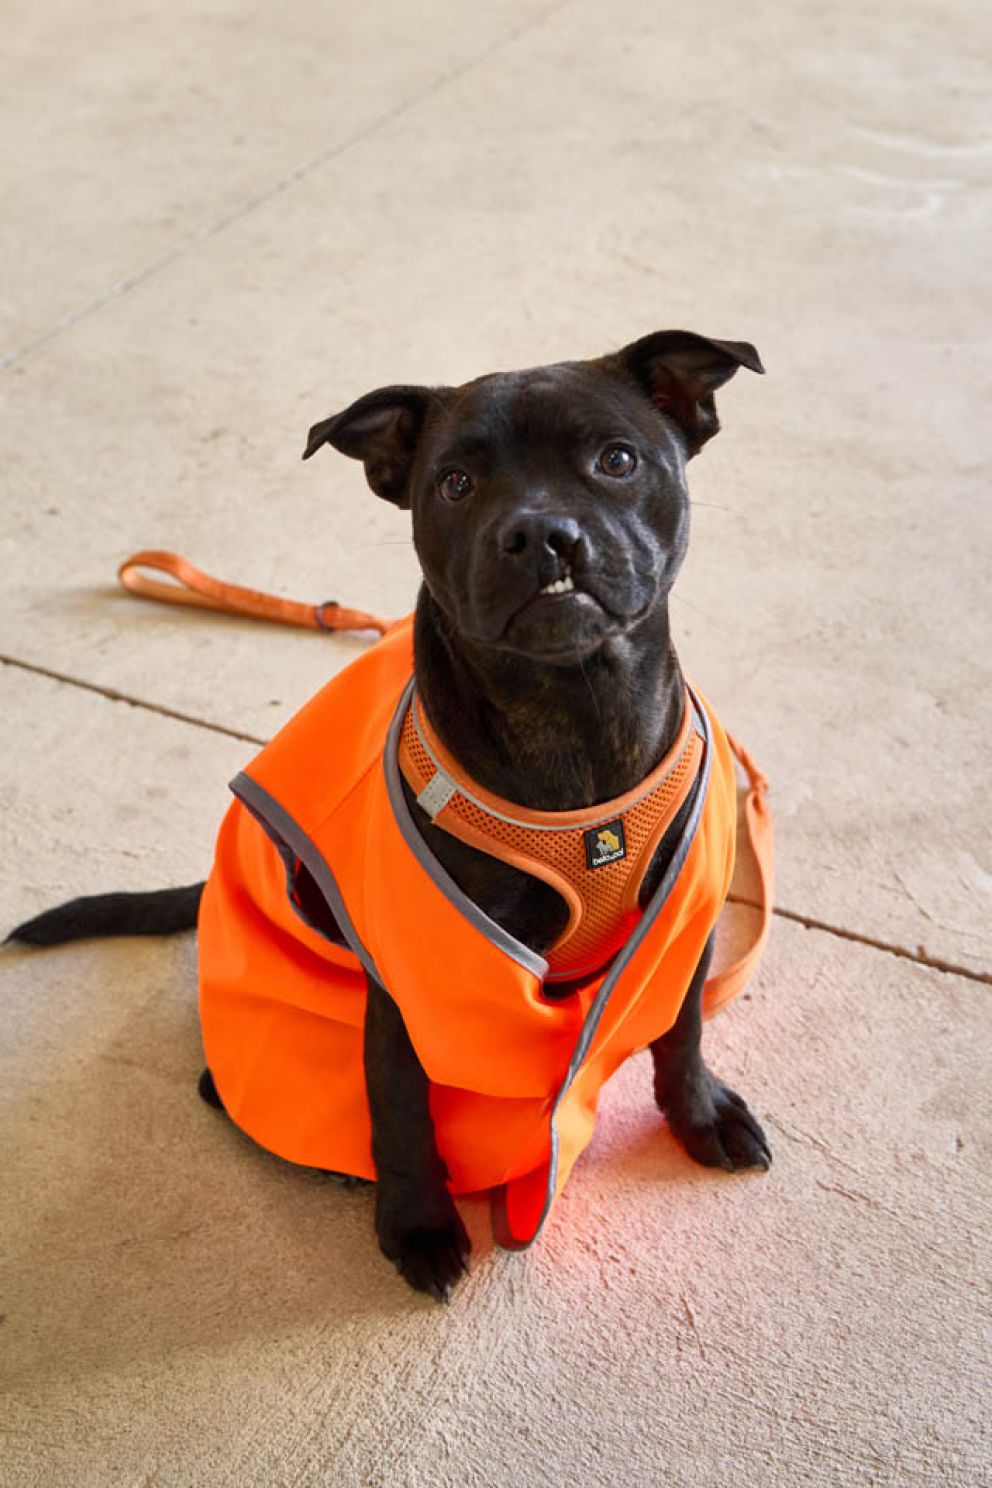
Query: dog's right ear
pixel 381 430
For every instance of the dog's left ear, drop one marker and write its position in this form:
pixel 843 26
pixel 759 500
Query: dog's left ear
pixel 681 371
pixel 381 430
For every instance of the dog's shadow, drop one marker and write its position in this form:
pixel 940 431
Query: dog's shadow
pixel 144 1223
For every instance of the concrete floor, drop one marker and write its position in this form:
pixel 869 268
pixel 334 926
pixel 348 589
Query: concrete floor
pixel 220 226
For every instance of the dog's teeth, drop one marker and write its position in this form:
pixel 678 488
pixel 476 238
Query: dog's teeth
pixel 560 586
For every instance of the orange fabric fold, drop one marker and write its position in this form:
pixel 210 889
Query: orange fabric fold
pixel 727 982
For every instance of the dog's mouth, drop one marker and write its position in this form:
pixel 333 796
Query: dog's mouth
pixel 564 585
pixel 567 592
pixel 561 620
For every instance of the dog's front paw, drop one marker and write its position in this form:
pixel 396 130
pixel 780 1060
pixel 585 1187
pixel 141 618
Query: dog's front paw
pixel 423 1235
pixel 714 1124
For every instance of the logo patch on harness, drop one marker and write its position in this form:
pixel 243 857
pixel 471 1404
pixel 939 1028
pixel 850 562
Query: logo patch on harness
pixel 605 844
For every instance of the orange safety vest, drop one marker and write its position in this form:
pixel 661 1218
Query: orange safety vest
pixel 514 1075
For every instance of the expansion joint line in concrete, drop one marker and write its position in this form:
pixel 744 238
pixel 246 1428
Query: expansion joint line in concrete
pixel 212 229
pixel 921 957
pixel 114 696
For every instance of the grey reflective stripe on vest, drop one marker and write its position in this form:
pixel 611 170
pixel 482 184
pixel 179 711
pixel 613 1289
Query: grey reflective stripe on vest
pixel 284 833
pixel 470 911
pixel 501 1229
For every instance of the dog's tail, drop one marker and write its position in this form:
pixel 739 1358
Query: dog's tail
pixel 160 912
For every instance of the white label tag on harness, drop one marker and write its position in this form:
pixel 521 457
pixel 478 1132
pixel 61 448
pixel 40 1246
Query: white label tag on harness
pixel 436 794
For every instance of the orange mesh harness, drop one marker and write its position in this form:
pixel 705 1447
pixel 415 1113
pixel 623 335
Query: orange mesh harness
pixel 595 858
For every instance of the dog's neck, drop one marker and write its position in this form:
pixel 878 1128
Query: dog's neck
pixel 554 738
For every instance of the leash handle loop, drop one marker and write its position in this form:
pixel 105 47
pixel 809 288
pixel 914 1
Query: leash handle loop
pixel 192 586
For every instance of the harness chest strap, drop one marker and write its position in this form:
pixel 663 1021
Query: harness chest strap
pixel 602 895
pixel 595 858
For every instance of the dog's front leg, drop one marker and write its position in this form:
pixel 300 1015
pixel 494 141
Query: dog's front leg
pixel 710 1120
pixel 418 1226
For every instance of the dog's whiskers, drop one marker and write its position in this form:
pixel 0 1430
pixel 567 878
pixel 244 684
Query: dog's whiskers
pixel 591 691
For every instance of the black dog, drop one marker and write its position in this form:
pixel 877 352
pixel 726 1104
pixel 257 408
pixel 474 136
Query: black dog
pixel 570 476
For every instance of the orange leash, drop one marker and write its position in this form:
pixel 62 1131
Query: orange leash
pixel 194 587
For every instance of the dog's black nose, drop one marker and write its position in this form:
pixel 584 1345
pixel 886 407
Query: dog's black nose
pixel 538 534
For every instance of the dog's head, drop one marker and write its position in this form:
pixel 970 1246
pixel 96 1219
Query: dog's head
pixel 550 508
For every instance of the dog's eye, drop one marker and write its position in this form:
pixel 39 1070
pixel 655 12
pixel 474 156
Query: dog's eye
pixel 455 485
pixel 617 460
